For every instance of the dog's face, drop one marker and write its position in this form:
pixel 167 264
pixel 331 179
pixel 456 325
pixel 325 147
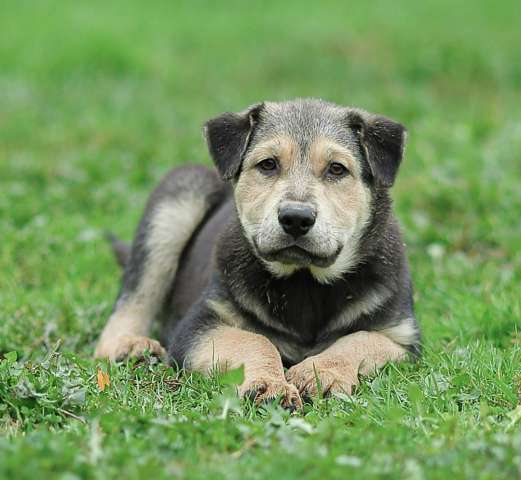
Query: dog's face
pixel 304 173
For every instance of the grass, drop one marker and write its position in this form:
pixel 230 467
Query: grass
pixel 99 99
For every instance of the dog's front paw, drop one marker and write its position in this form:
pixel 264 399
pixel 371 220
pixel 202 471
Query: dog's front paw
pixel 331 375
pixel 129 346
pixel 264 390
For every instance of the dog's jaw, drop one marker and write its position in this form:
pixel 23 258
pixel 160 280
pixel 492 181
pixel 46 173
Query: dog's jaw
pixel 325 270
pixel 346 259
pixel 345 262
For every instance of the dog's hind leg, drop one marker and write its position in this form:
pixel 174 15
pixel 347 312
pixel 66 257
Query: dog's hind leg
pixel 173 213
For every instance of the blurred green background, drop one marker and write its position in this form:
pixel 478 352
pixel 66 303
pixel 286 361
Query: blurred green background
pixel 99 99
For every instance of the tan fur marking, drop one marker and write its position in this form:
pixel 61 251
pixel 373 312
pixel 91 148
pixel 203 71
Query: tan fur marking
pixel 362 306
pixel 323 151
pixel 284 148
pixel 226 312
pixel 404 333
pixel 338 367
pixel 252 305
pixel 228 348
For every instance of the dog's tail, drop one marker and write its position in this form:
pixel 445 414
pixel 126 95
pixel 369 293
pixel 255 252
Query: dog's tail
pixel 120 249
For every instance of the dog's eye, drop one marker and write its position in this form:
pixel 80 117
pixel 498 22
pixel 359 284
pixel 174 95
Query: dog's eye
pixel 268 165
pixel 337 170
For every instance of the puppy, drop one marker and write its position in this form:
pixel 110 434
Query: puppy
pixel 288 255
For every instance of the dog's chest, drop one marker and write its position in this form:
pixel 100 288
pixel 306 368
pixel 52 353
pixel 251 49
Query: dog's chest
pixel 303 306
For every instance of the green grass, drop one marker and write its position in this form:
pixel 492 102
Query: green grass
pixel 99 99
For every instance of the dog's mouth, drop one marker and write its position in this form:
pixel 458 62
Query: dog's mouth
pixel 296 255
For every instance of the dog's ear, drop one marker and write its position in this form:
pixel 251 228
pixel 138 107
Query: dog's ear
pixel 228 137
pixel 383 141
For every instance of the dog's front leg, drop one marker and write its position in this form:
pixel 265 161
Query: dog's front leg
pixel 336 369
pixel 224 348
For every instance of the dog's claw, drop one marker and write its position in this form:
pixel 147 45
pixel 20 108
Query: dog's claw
pixel 265 391
pixel 308 377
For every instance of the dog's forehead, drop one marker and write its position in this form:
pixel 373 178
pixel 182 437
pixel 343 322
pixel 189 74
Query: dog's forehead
pixel 305 120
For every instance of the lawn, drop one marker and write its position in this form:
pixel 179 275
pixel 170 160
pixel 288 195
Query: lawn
pixel 99 99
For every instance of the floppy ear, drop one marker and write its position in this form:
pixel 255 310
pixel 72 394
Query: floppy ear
pixel 383 141
pixel 228 137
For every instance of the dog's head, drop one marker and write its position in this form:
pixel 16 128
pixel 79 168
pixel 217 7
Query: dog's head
pixel 304 174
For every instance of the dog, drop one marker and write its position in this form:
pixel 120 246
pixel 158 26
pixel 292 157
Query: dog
pixel 287 254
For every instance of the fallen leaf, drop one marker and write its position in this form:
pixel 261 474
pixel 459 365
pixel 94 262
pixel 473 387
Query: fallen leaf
pixel 103 379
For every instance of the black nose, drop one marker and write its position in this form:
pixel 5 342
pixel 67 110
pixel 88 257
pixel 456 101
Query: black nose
pixel 296 220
